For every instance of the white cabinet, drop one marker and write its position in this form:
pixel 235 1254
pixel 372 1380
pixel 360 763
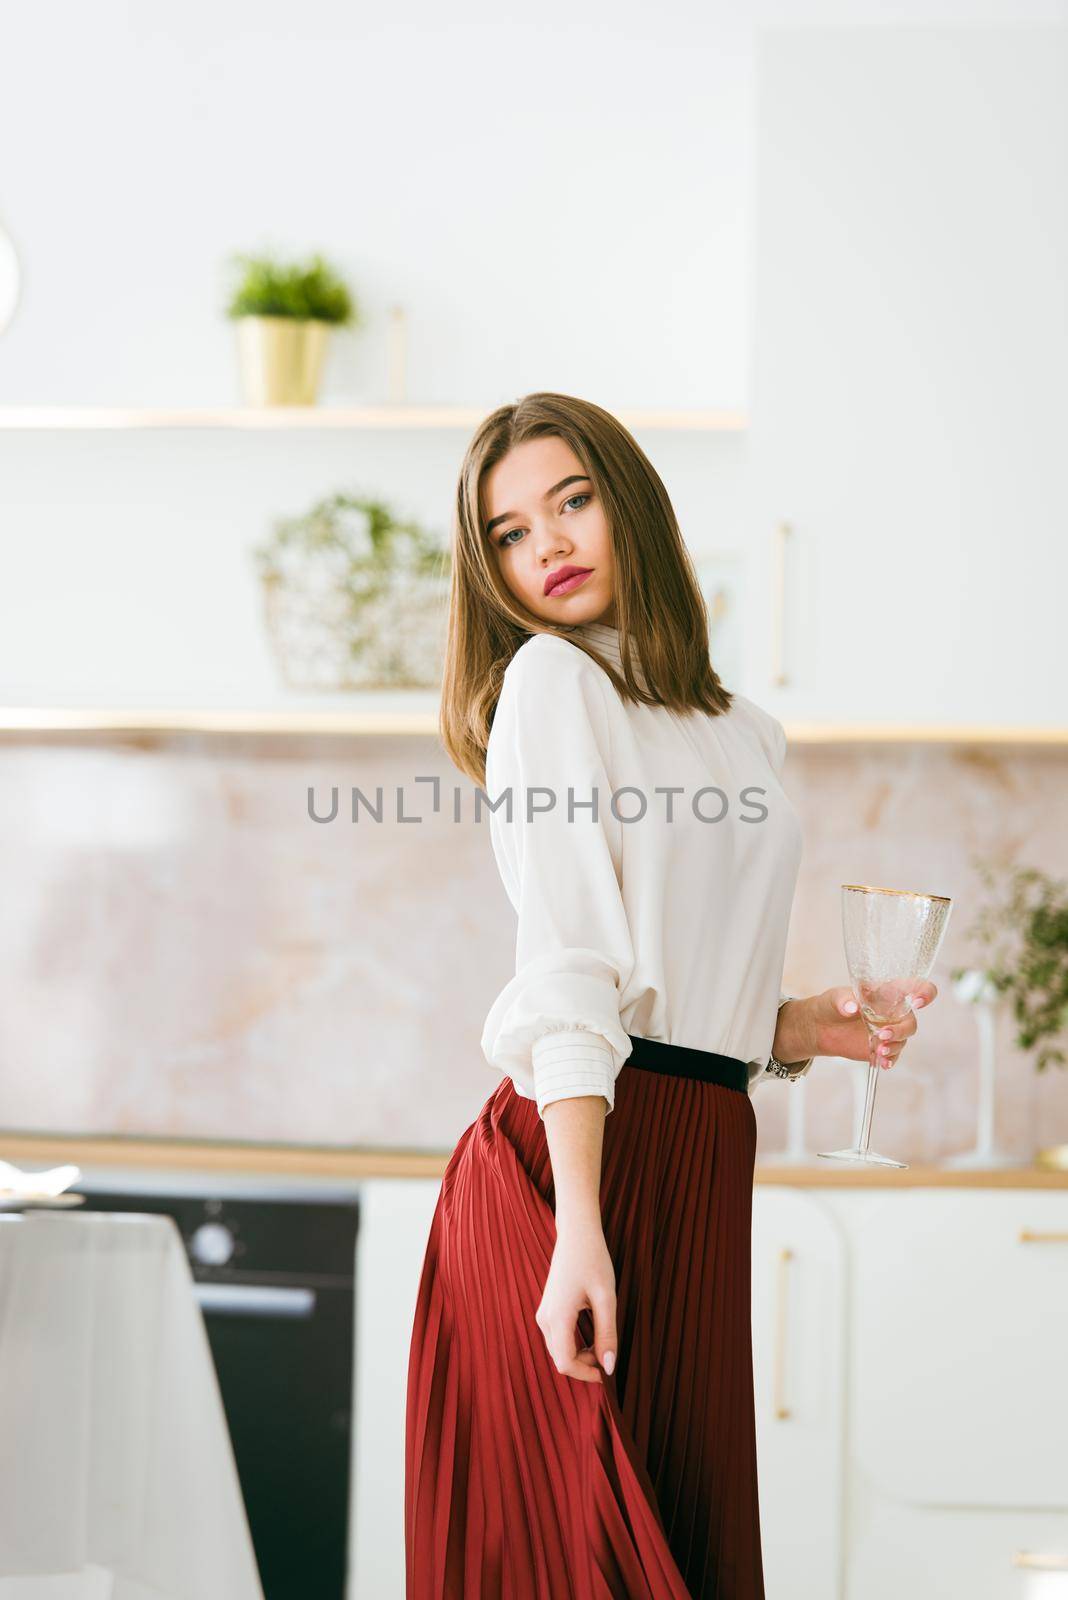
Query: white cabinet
pixel 910 341
pixel 798 1352
pixel 957 1389
pixel 959 1383
pixel 395 1218
pixel 912 1392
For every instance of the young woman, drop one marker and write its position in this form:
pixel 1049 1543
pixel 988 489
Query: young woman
pixel 580 1419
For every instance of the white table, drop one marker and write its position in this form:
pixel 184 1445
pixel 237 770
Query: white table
pixel 119 1480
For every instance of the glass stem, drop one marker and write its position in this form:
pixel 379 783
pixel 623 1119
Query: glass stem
pixel 864 1142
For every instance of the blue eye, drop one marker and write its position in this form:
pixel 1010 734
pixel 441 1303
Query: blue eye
pixel 507 537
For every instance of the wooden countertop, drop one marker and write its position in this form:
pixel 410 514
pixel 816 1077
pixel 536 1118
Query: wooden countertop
pixel 340 1162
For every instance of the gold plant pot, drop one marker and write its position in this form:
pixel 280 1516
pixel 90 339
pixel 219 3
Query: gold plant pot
pixel 281 359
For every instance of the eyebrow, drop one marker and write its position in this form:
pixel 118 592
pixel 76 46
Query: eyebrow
pixel 575 478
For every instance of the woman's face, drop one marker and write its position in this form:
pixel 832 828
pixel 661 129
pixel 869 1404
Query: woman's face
pixel 542 517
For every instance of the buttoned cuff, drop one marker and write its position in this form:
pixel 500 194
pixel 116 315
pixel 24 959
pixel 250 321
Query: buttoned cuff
pixel 568 1063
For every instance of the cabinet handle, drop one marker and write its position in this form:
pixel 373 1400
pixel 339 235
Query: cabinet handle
pixel 778 603
pixel 1038 1561
pixel 782 1410
pixel 1037 1236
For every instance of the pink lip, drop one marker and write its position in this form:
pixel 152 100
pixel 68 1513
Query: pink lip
pixel 572 581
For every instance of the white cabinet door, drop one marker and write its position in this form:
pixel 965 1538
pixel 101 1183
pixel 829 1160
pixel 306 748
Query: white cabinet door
pixel 909 403
pixel 395 1219
pixel 930 1554
pixel 959 1386
pixel 798 1312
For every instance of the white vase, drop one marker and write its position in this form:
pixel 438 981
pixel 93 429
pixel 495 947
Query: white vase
pixel 796 1153
pixel 974 988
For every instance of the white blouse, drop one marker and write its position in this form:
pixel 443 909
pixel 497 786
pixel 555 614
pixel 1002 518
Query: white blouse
pixel 664 914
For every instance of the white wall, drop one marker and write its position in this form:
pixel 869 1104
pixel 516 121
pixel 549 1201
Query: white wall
pixel 560 196
pixel 557 195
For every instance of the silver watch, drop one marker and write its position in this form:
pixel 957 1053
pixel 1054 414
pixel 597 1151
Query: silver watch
pixel 783 1069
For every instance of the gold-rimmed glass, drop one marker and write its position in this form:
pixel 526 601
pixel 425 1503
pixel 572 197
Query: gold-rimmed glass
pixel 891 937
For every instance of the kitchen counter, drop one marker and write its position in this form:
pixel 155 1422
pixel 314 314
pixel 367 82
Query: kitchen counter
pixel 333 1163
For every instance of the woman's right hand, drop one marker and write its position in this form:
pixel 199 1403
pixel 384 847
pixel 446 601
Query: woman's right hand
pixel 581 1276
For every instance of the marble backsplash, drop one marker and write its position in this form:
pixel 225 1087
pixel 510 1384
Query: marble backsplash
pixel 186 953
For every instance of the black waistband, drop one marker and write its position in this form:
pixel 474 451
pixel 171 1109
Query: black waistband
pixel 655 1055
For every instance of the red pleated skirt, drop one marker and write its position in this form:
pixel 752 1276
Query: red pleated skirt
pixel 524 1484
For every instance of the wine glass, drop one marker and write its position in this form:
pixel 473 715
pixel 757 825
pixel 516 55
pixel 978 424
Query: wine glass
pixel 891 937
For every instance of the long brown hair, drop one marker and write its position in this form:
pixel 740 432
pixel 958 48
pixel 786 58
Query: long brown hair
pixel 660 610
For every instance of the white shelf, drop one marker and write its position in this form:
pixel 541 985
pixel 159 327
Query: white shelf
pixel 75 418
pixel 421 717
pixel 960 733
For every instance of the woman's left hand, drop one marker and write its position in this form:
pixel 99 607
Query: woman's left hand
pixel 831 1025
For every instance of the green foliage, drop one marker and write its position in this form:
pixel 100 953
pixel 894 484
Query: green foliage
pixel 354 596
pixel 1026 935
pixel 367 546
pixel 269 288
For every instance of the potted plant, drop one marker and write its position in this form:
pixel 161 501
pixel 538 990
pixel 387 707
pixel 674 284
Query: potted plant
pixel 283 315
pixel 355 597
pixel 1026 935
pixel 1022 929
